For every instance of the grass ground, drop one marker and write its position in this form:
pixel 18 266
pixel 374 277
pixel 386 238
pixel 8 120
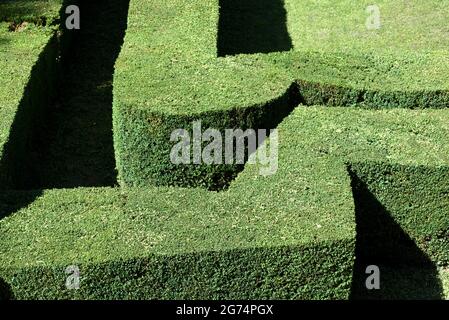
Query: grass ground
pixel 266 234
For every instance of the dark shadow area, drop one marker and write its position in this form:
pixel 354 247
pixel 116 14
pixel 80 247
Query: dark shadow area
pixel 405 270
pixel 75 147
pixel 5 291
pixel 13 201
pixel 252 26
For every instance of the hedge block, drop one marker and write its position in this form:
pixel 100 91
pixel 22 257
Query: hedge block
pixel 193 243
pixel 343 171
pixel 168 77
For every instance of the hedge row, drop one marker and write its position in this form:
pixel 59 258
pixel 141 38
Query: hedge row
pixel 173 243
pixel 167 77
pixel 392 80
pixel 289 235
pixel 145 149
pixel 403 213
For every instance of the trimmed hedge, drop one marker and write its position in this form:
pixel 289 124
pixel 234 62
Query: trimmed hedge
pixel 174 243
pixel 392 80
pixel 181 243
pixel 398 160
pixel 147 157
pixel 187 53
pixel 289 235
pixel 254 273
pixel 166 77
pixel 415 201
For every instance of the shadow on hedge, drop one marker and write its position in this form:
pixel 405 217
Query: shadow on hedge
pixel 5 291
pixel 406 272
pixel 13 201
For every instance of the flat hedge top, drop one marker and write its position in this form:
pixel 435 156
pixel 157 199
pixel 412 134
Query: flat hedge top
pixel 341 25
pixel 169 59
pixel 98 225
pixel 395 136
pixel 308 202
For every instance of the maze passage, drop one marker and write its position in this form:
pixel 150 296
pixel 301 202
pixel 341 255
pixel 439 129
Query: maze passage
pixel 74 146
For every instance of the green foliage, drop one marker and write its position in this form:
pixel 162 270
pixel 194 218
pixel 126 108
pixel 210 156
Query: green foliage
pixel 167 77
pixel 169 243
pixel 292 235
pixel 192 243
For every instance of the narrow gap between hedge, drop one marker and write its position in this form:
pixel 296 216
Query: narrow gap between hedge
pixel 74 148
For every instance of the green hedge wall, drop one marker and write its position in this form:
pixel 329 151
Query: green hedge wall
pixel 147 160
pixel 256 273
pixel 172 243
pixel 167 77
pixel 289 235
pixel 415 200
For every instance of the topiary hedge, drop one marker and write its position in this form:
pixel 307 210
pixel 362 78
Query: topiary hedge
pixel 289 235
pixel 167 77
pixel 343 172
